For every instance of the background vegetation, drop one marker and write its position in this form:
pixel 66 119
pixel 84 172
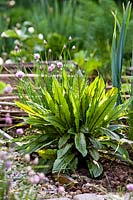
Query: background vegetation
pixel 90 23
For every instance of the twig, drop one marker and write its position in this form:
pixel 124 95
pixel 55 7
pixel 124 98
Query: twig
pixel 7 136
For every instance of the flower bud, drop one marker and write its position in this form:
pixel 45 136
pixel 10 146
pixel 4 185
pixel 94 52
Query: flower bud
pixel 40 36
pixel 73 47
pixel 31 29
pixel 70 38
pixel 1 61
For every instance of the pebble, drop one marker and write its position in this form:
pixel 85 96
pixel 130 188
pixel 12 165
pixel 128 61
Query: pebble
pixel 93 196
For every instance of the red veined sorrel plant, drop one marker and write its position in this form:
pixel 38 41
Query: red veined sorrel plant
pixel 74 124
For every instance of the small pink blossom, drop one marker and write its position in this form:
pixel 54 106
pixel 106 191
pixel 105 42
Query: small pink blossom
pixel 27 157
pixel 8 164
pixel 41 175
pixel 34 179
pixel 35 161
pixel 16 48
pixel 8 119
pixel 19 131
pixel 8 89
pixel 130 187
pixel 29 168
pixel 61 190
pixel 31 173
pixel 51 67
pixel 59 65
pixel 3 155
pixel 36 56
pixel 20 74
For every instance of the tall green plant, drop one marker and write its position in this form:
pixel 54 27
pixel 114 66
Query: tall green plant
pixel 131 106
pixel 118 47
pixel 74 124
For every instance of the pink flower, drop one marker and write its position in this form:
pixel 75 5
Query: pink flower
pixel 29 168
pixel 34 179
pixel 8 164
pixel 20 74
pixel 3 155
pixel 16 48
pixel 41 175
pixel 31 173
pixel 8 119
pixel 59 64
pixel 36 56
pixel 51 67
pixel 8 89
pixel 35 161
pixel 19 131
pixel 27 157
pixel 130 187
pixel 61 190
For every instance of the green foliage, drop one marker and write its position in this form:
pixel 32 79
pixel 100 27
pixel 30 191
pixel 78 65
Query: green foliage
pixel 2 86
pixel 73 119
pixel 25 191
pixel 53 18
pixel 56 43
pixel 131 108
pixel 117 48
pixel 94 25
pixel 27 43
pixel 88 64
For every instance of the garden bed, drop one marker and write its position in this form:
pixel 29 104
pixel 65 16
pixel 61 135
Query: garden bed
pixel 116 175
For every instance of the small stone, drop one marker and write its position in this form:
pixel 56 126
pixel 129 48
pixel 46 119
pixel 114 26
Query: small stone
pixel 90 196
pixel 61 198
pixel 78 192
